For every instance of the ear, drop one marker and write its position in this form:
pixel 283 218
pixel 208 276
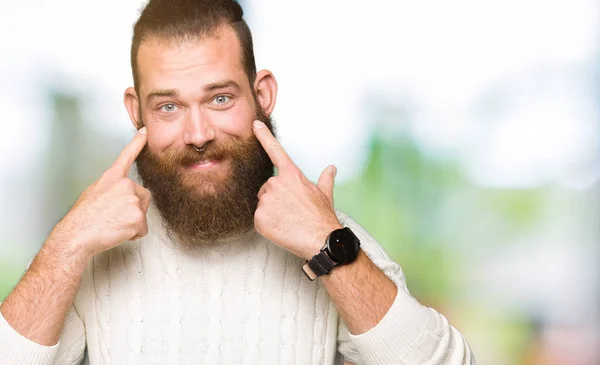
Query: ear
pixel 132 105
pixel 265 87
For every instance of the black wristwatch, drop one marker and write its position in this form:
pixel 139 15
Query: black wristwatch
pixel 341 247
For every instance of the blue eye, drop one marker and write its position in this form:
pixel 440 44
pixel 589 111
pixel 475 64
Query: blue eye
pixel 221 99
pixel 168 107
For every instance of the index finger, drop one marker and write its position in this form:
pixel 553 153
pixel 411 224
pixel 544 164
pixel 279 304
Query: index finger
pixel 276 153
pixel 131 151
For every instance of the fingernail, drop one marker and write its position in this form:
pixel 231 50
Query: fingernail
pixel 143 130
pixel 258 124
pixel 333 170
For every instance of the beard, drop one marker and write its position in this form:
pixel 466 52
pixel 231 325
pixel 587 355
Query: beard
pixel 202 207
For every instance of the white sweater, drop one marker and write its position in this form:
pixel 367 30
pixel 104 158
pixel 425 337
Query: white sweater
pixel 245 301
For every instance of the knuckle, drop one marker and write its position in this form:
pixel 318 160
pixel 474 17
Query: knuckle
pixel 297 174
pixel 125 183
pixel 132 233
pixel 258 215
pixel 129 183
pixel 144 230
pixel 268 199
pixel 137 215
pixel 273 182
pixel 122 184
pixel 274 146
pixel 263 200
pixel 133 200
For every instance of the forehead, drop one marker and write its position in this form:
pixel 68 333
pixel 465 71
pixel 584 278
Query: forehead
pixel 173 64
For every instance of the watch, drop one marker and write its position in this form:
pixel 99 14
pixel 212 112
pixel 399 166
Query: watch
pixel 341 247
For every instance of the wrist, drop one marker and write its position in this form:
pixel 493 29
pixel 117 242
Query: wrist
pixel 67 251
pixel 320 240
pixel 341 247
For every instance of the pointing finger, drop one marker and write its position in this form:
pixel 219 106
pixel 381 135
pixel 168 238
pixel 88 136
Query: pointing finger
pixel 276 153
pixel 123 163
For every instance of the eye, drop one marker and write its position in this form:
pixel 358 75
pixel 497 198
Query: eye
pixel 170 107
pixel 221 99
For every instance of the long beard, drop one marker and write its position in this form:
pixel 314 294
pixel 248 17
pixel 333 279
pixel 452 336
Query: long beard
pixel 204 207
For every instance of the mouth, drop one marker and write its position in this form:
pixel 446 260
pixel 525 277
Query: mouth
pixel 203 165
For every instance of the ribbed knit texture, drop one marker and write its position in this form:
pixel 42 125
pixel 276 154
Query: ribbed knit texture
pixel 244 301
pixel 19 350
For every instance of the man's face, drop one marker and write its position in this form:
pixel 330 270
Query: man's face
pixel 197 94
pixel 194 93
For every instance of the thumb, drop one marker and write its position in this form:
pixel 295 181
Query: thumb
pixel 326 181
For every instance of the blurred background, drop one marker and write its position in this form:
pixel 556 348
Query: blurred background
pixel 466 135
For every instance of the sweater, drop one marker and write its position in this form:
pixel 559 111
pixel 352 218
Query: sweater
pixel 241 301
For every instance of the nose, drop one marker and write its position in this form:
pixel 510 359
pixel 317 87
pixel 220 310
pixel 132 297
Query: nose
pixel 198 129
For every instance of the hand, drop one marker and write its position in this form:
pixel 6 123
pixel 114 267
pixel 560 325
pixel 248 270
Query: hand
pixel 293 212
pixel 110 211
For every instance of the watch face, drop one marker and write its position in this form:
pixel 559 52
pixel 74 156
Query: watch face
pixel 343 245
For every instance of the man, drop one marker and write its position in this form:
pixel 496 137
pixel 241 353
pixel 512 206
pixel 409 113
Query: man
pixel 213 259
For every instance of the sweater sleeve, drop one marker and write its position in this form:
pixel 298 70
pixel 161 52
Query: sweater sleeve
pixel 17 349
pixel 409 333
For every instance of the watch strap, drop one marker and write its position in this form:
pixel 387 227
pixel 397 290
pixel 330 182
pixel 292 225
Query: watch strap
pixel 321 264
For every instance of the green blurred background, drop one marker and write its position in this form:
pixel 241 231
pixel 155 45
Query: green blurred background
pixel 465 135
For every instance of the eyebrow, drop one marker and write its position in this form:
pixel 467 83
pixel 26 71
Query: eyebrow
pixel 158 93
pixel 208 88
pixel 221 85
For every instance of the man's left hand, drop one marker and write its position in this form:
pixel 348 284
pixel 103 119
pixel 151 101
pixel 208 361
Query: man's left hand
pixel 293 212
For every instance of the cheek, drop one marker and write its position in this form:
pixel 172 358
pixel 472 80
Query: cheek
pixel 161 136
pixel 237 121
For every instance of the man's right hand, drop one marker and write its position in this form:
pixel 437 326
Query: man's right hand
pixel 110 211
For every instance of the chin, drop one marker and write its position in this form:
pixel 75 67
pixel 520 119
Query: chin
pixel 206 186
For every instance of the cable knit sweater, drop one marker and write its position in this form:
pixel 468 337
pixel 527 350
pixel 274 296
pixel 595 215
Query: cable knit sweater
pixel 244 301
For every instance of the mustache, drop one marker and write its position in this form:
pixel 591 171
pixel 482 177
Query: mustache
pixel 214 150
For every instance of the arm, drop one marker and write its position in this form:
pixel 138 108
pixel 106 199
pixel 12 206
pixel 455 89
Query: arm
pixel 386 325
pixel 408 333
pixel 111 211
pixel 361 293
pixel 38 305
pixel 17 349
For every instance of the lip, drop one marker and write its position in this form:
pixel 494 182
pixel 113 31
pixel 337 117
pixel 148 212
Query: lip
pixel 203 165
